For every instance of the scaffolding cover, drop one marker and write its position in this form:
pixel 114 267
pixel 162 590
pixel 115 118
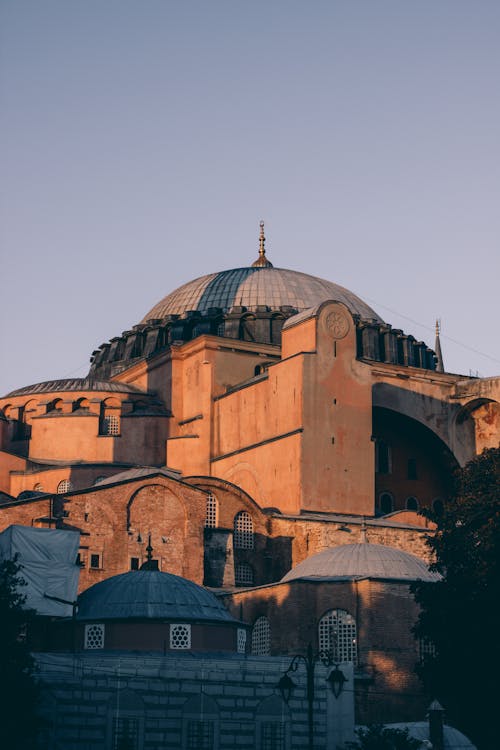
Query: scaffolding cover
pixel 47 558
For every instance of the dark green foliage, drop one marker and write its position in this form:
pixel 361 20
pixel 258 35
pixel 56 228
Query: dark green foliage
pixel 461 614
pixel 378 737
pixel 18 722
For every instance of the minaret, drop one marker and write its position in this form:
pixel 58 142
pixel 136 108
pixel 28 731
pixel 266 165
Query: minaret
pixel 437 349
pixel 262 261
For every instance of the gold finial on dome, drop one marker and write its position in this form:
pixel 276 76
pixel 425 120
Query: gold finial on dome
pixel 262 261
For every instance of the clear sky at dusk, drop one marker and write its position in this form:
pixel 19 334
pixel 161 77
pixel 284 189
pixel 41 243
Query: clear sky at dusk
pixel 141 142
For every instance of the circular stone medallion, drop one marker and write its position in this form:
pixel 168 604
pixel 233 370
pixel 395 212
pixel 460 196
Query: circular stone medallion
pixel 337 324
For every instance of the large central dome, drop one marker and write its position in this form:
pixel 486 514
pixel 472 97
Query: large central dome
pixel 253 286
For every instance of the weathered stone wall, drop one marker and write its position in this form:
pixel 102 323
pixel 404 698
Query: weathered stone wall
pixel 84 695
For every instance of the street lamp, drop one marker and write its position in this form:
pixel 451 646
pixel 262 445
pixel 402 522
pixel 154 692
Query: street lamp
pixel 335 679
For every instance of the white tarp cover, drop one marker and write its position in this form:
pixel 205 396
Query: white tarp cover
pixel 47 558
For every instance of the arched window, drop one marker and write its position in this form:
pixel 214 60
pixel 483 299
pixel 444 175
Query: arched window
pixel 261 637
pixel 55 405
pixel 212 512
pixel 38 487
pixel 243 574
pixel 200 720
pixel 243 531
pixel 272 724
pixel 64 486
pixel 412 503
pixel 81 405
pixel 383 457
pixel 337 635
pixel 386 503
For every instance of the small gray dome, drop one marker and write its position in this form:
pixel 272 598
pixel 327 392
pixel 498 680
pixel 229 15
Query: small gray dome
pixel 150 594
pixel 253 286
pixel 363 561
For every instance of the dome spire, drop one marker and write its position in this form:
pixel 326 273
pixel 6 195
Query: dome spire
pixel 437 348
pixel 262 261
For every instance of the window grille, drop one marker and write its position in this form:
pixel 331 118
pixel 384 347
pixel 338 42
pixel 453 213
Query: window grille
pixel 411 503
pixel 110 425
pixel 426 649
pixel 272 735
pixel 261 637
pixel 94 636
pixel 337 635
pixel 211 520
pixel 64 486
pixel 243 574
pixel 243 531
pixel 199 735
pixel 242 640
pixel 180 636
pixel 125 733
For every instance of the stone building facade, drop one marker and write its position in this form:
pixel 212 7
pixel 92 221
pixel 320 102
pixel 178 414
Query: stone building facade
pixel 254 417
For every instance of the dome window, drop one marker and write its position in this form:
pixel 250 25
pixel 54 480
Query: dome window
pixel 243 531
pixel 94 636
pixel 337 635
pixel 261 637
pixel 180 637
pixel 38 487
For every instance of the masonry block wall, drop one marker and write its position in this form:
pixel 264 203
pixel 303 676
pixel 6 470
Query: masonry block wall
pixel 88 699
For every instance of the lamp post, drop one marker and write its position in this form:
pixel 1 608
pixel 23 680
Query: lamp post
pixel 335 679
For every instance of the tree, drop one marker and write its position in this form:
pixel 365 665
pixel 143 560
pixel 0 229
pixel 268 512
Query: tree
pixel 460 614
pixel 18 720
pixel 378 737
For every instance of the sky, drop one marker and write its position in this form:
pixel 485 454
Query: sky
pixel 142 141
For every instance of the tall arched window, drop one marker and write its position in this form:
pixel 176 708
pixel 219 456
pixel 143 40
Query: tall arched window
pixel 412 503
pixel 383 457
pixel 243 531
pixel 386 503
pixel 212 512
pixel 243 574
pixel 64 486
pixel 337 635
pixel 261 637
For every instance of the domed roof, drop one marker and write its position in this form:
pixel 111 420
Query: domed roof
pixel 150 594
pixel 255 285
pixel 363 561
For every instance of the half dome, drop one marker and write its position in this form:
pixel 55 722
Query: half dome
pixel 363 561
pixel 256 286
pixel 150 594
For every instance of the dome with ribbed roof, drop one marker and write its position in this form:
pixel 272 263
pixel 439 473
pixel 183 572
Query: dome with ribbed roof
pixel 255 286
pixel 150 594
pixel 363 561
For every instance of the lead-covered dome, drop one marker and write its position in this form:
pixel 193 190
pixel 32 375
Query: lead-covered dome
pixel 363 561
pixel 150 594
pixel 256 286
